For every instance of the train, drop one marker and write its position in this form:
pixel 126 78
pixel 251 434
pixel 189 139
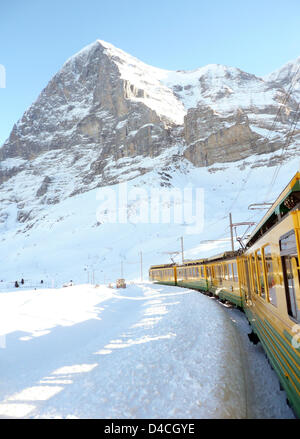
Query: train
pixel 263 280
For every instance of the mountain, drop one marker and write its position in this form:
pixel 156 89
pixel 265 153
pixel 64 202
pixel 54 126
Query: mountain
pixel 107 118
pixel 286 75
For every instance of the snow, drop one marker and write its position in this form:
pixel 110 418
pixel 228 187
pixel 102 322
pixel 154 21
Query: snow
pixel 10 163
pixel 220 87
pixel 147 351
pixel 265 400
pixel 66 241
pixel 288 70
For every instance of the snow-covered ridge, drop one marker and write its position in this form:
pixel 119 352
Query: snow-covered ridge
pixel 288 71
pixel 172 93
pixel 223 88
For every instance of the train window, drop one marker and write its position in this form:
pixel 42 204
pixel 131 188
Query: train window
pixel 261 274
pixel 226 271
pixel 230 271
pixel 202 271
pixel 216 268
pixel 270 275
pixel 235 274
pixel 208 271
pixel 254 274
pixel 290 266
pixel 247 282
pixel 194 272
pixel 219 268
pixel 288 242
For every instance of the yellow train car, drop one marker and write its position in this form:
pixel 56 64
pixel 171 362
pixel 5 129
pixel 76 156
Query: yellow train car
pixel 263 280
pixel 217 275
pixel 269 280
pixel 163 274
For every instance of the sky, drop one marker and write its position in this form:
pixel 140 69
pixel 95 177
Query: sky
pixel 38 36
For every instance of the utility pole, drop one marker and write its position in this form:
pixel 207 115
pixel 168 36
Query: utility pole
pixel 182 254
pixel 141 254
pixel 231 232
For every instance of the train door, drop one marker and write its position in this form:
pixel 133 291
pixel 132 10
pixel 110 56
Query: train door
pixel 290 267
pixel 247 278
pixel 208 277
pixel 220 275
pixel 214 275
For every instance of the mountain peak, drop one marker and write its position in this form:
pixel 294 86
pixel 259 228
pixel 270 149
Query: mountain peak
pixel 285 74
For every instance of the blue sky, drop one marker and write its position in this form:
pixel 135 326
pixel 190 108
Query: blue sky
pixel 37 36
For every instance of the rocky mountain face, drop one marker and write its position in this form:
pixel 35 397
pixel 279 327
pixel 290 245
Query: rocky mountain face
pixel 106 117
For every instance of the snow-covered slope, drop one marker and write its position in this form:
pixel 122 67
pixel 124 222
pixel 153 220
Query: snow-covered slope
pixel 74 240
pixel 86 352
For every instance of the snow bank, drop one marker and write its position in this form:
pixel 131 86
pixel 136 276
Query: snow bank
pixel 148 351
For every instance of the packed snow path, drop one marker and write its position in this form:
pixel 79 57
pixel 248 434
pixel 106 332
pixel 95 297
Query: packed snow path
pixel 148 351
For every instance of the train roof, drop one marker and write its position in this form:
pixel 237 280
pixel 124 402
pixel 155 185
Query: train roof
pixel 154 267
pixel 285 202
pixel 218 257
